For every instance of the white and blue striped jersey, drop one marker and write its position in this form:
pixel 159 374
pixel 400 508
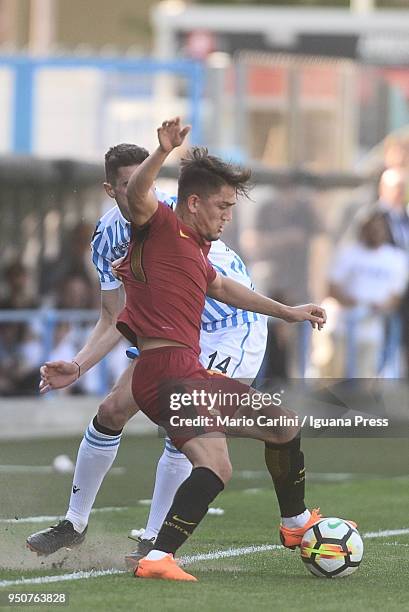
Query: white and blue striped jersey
pixel 111 241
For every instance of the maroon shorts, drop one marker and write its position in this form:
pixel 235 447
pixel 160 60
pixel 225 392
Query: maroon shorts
pixel 163 381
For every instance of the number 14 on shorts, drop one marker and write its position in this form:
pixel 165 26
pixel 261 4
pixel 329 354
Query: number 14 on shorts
pixel 221 366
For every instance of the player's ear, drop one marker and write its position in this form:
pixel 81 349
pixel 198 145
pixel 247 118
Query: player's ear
pixel 109 190
pixel 193 203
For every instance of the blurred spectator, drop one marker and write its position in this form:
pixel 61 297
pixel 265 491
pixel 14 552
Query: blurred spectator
pixel 20 343
pixel 73 260
pixel 395 158
pixel 74 293
pixel 275 366
pixel 396 154
pixel 393 204
pixel 282 250
pixel 368 279
pixel 394 209
pixel 281 243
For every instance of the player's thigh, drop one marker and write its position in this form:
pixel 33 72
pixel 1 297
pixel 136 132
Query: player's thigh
pixel 235 351
pixel 120 400
pixel 249 413
pixel 209 450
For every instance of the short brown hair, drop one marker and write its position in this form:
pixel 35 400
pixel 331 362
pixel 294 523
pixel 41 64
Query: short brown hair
pixel 205 174
pixel 120 156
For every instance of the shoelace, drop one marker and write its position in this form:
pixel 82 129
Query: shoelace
pixel 140 540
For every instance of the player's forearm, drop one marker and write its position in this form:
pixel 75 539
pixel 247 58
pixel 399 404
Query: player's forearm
pixel 235 294
pixel 101 341
pixel 143 178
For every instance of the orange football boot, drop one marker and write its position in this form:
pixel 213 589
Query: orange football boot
pixel 162 569
pixel 291 538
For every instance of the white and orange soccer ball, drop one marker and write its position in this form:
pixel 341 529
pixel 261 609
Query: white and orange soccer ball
pixel 332 548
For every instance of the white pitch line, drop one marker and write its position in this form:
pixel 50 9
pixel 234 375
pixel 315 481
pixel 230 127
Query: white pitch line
pixel 318 476
pixel 61 578
pixel 48 519
pixel 46 469
pixel 187 560
pixel 218 554
pixel 385 534
pixel 230 552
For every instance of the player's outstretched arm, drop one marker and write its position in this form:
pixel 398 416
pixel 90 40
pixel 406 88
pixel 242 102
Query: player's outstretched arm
pixel 142 200
pixel 230 292
pixel 103 338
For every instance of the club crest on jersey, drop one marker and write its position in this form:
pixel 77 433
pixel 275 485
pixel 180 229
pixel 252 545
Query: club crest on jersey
pixel 120 249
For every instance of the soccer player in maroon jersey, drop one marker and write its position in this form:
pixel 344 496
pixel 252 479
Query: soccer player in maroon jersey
pixel 166 276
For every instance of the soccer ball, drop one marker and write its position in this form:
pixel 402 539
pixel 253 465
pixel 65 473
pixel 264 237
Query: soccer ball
pixel 332 548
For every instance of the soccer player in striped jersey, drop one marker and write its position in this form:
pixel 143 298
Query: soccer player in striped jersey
pixel 232 342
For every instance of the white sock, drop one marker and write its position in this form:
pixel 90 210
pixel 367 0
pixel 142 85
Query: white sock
pixel 173 469
pixel 294 522
pixel 96 454
pixel 155 555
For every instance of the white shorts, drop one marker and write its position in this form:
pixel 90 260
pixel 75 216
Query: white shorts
pixel 237 352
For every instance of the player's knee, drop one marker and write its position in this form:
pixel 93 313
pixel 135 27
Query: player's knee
pixel 111 414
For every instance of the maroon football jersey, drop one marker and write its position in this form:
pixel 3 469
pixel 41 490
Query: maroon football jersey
pixel 165 273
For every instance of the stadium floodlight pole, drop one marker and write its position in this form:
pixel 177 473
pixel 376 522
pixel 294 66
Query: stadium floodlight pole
pixel 42 26
pixel 362 6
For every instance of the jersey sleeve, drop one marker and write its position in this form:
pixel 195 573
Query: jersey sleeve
pixel 102 257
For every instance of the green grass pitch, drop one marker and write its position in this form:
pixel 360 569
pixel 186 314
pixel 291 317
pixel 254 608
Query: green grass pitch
pixel 365 480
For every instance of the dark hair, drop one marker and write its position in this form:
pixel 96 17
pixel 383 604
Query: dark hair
pixel 205 174
pixel 120 156
pixel 364 230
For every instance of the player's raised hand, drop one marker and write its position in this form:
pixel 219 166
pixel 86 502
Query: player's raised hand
pixel 316 315
pixel 171 134
pixel 58 375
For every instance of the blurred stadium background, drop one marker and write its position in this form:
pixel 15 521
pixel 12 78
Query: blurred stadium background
pixel 314 96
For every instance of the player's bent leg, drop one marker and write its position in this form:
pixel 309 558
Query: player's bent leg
pixel 274 425
pixel 99 448
pixel 173 469
pixel 285 463
pixel 211 470
pixel 96 455
pixel 278 427
pixel 210 451
pixel 119 405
